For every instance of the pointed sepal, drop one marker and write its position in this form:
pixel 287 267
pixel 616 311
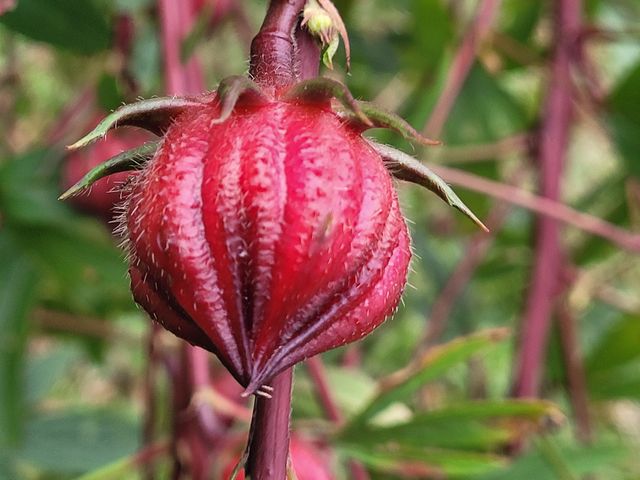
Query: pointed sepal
pixel 231 89
pixel 134 159
pixel 381 118
pixel 321 89
pixel 155 115
pixel 405 167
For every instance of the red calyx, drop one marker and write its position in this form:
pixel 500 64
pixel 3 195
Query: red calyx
pixel 267 238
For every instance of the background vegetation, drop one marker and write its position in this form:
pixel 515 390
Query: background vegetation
pixel 503 84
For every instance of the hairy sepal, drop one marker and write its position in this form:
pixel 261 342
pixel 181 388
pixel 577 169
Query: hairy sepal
pixel 154 115
pixel 324 89
pixel 381 118
pixel 230 91
pixel 405 167
pixel 134 159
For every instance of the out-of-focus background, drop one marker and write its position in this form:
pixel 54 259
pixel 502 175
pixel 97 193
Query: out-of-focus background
pixel 527 96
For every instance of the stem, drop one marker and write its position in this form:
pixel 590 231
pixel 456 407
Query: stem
pixel 307 55
pixel 318 375
pixel 273 49
pixel 575 373
pixel 554 138
pixel 269 437
pixel 454 287
pixel 176 19
pixel 547 207
pixel 461 65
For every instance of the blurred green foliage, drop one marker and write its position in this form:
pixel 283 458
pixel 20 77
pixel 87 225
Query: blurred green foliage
pixel 72 350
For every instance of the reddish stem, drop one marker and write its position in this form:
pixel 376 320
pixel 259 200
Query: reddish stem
pixel 551 209
pixel 273 49
pixel 269 437
pixel 575 373
pixel 459 279
pixel 176 20
pixel 318 375
pixel 554 137
pixel 307 55
pixel 461 65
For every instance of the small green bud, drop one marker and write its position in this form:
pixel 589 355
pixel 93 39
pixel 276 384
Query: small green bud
pixel 319 22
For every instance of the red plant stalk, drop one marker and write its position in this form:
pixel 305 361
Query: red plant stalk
pixel 554 138
pixel 332 411
pixel 461 65
pixel 575 372
pixel 269 436
pixel 479 246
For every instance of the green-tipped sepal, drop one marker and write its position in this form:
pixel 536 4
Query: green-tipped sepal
pixel 381 118
pixel 231 89
pixel 155 115
pixel 324 89
pixel 134 159
pixel 405 167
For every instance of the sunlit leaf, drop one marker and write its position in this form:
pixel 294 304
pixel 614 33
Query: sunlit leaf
pixel 432 365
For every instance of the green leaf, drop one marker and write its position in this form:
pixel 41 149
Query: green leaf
pixel 424 47
pixel 410 462
pixel 43 371
pixel 432 365
pixel 28 191
pixel 78 442
pixel 617 347
pixel 17 289
pixel 78 26
pixel 550 459
pixel 81 269
pixel 624 118
pixel 110 94
pixel 613 365
pixel 479 425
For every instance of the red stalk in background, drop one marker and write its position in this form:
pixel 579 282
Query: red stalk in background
pixel 554 137
pixel 480 244
pixel 461 65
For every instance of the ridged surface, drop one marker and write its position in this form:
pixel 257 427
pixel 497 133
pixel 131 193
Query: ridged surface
pixel 267 239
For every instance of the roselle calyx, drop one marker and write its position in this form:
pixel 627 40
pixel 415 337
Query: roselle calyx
pixel 263 227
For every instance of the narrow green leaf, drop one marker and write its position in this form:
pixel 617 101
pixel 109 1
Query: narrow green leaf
pixel 411 462
pixel 432 365
pixel 478 425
